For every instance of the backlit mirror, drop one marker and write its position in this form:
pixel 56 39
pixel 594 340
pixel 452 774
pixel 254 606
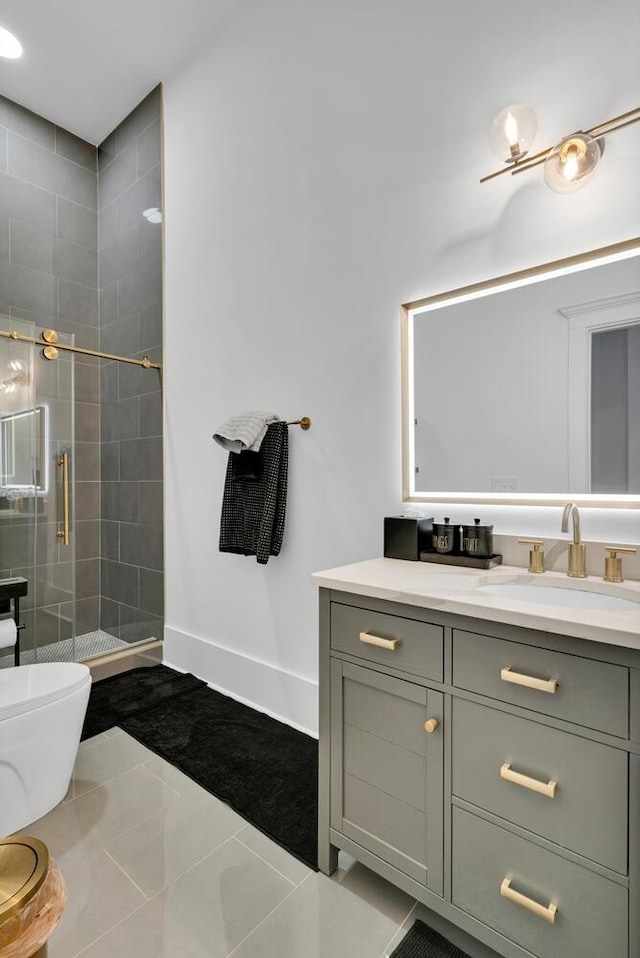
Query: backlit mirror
pixel 526 388
pixel 23 451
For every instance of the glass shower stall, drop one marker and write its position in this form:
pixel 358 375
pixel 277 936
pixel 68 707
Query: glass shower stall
pixel 81 417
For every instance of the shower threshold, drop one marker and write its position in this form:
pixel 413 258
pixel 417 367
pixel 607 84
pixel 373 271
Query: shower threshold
pixel 87 646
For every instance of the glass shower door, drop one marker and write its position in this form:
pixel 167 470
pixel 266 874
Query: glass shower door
pixel 18 479
pixel 55 594
pixel 36 494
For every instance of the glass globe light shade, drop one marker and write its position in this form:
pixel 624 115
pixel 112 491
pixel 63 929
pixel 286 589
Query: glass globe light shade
pixel 512 132
pixel 572 163
pixel 10 46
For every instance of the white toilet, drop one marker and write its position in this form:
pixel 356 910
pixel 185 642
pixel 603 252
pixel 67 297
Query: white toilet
pixel 42 708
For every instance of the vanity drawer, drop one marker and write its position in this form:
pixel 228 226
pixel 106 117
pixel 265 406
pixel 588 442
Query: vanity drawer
pixel 589 693
pixel 583 802
pixel 591 919
pixel 405 644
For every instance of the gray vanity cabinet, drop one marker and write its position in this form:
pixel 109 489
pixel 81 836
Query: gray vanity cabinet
pixel 591 919
pixel 386 771
pixel 581 781
pixel 491 771
pixel 590 693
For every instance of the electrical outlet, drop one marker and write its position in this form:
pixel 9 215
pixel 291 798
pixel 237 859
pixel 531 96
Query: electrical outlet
pixel 504 484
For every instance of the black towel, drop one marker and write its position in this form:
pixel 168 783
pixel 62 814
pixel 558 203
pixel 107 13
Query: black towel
pixel 253 509
pixel 246 465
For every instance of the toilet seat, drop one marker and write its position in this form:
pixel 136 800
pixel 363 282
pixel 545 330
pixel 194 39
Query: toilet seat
pixel 28 687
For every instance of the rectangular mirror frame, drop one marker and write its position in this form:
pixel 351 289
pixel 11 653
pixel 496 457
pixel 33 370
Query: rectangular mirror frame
pixel 520 277
pixel 41 442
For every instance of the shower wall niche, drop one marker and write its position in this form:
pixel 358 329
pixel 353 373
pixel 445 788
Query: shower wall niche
pixel 81 253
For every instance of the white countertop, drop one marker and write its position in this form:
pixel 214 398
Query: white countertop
pixel 454 589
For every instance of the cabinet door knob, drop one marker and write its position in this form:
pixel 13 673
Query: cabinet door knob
pixel 431 725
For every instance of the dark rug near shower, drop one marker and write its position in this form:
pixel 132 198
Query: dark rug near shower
pixel 423 942
pixel 266 770
pixel 121 696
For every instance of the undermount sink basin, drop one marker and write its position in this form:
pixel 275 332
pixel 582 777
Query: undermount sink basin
pixel 575 598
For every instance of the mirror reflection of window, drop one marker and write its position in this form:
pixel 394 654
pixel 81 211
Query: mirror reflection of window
pixel 615 410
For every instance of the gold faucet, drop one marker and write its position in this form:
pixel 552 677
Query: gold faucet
pixel 577 550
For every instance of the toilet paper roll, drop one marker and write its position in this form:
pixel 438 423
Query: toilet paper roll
pixel 8 633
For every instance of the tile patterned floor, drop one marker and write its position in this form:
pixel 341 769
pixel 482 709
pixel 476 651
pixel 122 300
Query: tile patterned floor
pixel 159 868
pixel 68 650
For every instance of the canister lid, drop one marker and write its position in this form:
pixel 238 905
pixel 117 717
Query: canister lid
pixel 477 527
pixel 24 863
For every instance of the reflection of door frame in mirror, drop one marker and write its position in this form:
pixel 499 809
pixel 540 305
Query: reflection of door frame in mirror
pixel 585 320
pixel 525 277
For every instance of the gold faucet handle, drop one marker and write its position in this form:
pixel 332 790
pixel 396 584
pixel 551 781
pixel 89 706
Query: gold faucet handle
pixel 536 554
pixel 613 564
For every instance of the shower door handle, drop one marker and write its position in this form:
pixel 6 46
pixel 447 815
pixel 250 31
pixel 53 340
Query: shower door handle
pixel 63 533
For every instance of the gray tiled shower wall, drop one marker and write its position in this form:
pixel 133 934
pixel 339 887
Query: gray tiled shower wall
pixel 49 276
pixel 94 272
pixel 130 248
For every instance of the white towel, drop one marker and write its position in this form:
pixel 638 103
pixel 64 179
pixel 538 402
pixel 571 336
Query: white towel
pixel 244 431
pixel 8 633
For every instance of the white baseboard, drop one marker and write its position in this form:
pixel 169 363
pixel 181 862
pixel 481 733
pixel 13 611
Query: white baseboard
pixel 286 697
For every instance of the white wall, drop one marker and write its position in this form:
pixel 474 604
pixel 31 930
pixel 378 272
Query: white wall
pixel 322 165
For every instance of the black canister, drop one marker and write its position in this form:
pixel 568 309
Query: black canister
pixel 477 540
pixel 445 536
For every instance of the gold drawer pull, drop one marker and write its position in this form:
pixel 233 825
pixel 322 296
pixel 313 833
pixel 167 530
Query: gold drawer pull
pixel 431 725
pixel 517 678
pixel 369 639
pixel 548 912
pixel 543 788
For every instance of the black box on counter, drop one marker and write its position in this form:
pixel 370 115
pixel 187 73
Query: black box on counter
pixel 405 537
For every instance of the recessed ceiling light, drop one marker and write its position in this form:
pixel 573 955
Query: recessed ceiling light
pixel 153 215
pixel 10 46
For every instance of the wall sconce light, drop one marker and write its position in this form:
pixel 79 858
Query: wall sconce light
pixel 568 165
pixel 18 376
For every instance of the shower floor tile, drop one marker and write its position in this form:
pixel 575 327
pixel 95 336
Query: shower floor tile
pixel 86 646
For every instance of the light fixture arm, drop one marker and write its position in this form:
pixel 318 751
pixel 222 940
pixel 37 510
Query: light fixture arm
pixel 631 116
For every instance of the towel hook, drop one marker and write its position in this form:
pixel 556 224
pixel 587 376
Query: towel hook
pixel 304 423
